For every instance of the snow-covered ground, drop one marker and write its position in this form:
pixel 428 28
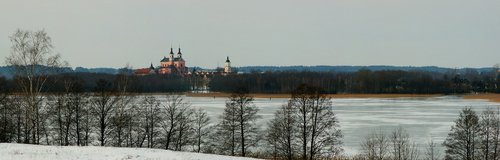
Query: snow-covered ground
pixel 11 151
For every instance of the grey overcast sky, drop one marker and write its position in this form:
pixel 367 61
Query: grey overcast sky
pixel 112 33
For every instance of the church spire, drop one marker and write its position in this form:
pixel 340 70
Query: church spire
pixel 179 53
pixel 171 50
pixel 227 59
pixel 152 67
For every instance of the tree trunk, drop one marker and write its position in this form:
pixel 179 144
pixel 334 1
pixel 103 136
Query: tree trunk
pixel 242 130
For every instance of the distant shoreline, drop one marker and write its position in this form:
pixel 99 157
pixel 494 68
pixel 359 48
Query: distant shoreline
pixel 492 97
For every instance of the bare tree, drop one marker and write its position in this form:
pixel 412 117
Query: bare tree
pixel 174 111
pixel 226 132
pixel 185 131
pixel 123 112
pixel 246 114
pixel 61 111
pixel 7 115
pixel 201 128
pixel 150 114
pixel 32 57
pixel 490 127
pixel 463 140
pixel 58 109
pixel 318 125
pixel 103 106
pixel 237 127
pixel 403 148
pixel 431 151
pixel 282 133
pixel 79 103
pixel 375 146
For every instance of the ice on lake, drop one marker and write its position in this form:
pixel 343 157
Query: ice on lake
pixel 424 118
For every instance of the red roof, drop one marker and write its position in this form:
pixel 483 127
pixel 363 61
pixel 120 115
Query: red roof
pixel 143 71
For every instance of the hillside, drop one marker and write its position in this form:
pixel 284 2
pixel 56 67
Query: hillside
pixel 40 152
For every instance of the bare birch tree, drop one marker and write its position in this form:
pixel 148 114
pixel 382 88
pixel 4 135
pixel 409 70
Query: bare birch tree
pixel 33 59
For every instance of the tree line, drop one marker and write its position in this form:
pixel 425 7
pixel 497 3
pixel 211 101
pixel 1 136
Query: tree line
pixel 364 81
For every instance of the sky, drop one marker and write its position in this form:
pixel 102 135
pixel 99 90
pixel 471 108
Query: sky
pixel 114 33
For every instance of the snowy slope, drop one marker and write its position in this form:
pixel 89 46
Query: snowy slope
pixel 27 152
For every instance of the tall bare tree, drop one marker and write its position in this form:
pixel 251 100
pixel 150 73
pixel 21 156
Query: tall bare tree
pixel 103 105
pixel 282 133
pixel 201 128
pixel 246 115
pixel 318 125
pixel 226 133
pixel 185 129
pixel 123 112
pixel 33 59
pixel 79 103
pixel 151 118
pixel 489 134
pixel 173 110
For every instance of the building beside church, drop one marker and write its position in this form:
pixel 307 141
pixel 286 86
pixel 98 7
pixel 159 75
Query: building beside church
pixel 227 66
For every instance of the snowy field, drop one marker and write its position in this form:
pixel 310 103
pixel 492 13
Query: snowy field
pixel 10 151
pixel 424 118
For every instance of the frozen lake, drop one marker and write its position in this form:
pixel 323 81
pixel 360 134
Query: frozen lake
pixel 424 118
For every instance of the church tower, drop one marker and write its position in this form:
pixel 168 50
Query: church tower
pixel 227 65
pixel 171 58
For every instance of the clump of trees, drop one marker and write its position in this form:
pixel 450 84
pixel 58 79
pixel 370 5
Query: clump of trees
pixel 237 131
pixel 397 145
pixel 305 127
pixel 474 136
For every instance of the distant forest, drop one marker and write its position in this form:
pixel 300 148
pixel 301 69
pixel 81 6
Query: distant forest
pixel 362 81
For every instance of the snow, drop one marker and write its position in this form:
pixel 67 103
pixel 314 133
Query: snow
pixel 27 152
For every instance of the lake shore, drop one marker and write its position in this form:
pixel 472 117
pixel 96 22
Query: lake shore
pixel 492 97
pixel 486 96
